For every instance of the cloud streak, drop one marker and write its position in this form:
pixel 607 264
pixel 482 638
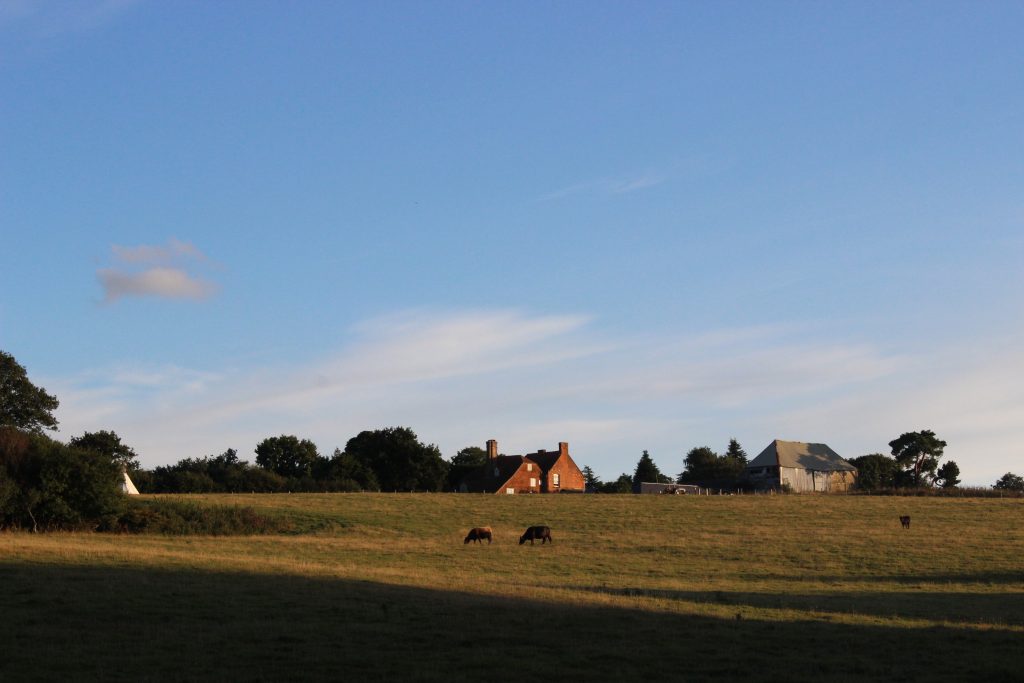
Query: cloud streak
pixel 530 381
pixel 52 19
pixel 606 186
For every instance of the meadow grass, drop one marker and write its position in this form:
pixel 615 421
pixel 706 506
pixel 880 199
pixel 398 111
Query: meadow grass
pixel 381 587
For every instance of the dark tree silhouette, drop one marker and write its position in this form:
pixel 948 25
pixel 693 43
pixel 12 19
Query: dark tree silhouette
pixel 22 404
pixel 917 454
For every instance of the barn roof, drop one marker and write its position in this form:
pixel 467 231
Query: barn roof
pixel 808 456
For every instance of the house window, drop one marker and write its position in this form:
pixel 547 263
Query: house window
pixel 533 482
pixel 510 491
pixel 529 467
pixel 555 475
pixel 495 471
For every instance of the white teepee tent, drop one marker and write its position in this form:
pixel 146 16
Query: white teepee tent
pixel 127 486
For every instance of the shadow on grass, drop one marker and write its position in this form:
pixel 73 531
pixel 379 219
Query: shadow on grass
pixel 990 578
pixel 85 623
pixel 956 607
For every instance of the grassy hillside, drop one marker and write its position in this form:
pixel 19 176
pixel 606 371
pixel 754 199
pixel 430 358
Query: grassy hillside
pixel 382 587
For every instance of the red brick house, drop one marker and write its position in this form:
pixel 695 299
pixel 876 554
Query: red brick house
pixel 540 472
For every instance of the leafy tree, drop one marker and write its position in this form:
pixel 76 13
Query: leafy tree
pixel 345 468
pixel 624 484
pixel 1010 482
pixel 109 444
pixel 398 459
pixel 700 463
pixel 647 471
pixel 287 456
pixel 917 454
pixel 736 453
pixel 22 404
pixel 703 466
pixel 948 475
pixel 875 471
pixel 592 481
pixel 45 484
pixel 462 463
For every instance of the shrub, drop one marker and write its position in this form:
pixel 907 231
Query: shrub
pixel 179 518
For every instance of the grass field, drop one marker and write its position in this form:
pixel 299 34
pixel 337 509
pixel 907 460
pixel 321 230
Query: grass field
pixel 381 587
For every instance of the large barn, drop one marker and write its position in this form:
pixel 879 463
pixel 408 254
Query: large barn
pixel 540 472
pixel 801 467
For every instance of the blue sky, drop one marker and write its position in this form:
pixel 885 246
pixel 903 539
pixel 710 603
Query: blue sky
pixel 627 226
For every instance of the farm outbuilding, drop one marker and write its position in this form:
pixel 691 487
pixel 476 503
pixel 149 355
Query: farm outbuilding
pixel 657 487
pixel 801 467
pixel 540 472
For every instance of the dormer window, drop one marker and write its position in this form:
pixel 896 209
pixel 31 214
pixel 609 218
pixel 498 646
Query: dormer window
pixel 495 471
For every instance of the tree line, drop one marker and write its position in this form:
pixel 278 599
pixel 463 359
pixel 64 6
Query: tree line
pixel 913 463
pixel 390 459
pixel 48 484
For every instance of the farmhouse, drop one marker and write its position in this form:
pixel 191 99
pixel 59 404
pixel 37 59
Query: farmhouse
pixel 540 472
pixel 801 467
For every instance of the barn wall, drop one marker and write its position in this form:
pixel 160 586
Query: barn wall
pixel 808 481
pixel 842 481
pixel 799 480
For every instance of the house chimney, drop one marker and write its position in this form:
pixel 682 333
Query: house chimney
pixel 492 449
pixel 563 448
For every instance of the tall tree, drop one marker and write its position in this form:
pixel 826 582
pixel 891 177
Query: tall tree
pixel 399 460
pixel 108 444
pixel 287 456
pixel 22 404
pixel 948 475
pixel 592 481
pixel 647 471
pixel 918 453
pixel 735 452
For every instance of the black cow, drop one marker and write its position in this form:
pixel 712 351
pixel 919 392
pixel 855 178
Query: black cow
pixel 905 521
pixel 478 534
pixel 543 533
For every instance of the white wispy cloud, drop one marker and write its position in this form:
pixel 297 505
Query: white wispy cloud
pixel 54 18
pixel 606 186
pixel 530 381
pixel 161 271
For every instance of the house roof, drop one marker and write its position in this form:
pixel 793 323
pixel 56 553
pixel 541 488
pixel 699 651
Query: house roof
pixel 545 459
pixel 808 456
pixel 484 477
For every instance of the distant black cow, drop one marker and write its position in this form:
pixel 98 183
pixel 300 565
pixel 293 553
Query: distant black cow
pixel 543 533
pixel 905 521
pixel 478 534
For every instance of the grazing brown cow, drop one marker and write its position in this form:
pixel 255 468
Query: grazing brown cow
pixel 536 532
pixel 905 521
pixel 478 534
